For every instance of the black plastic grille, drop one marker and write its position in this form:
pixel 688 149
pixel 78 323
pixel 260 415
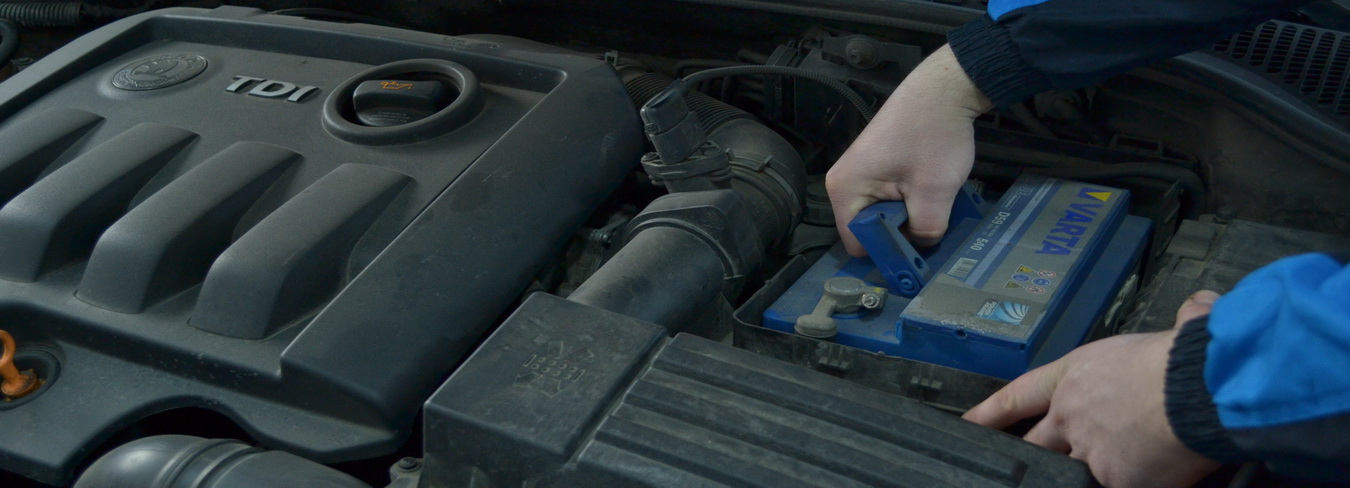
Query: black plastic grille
pixel 1310 61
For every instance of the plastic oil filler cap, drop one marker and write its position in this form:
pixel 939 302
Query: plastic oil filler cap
pixel 388 103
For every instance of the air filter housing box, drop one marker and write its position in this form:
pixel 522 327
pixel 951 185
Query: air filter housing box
pixel 567 395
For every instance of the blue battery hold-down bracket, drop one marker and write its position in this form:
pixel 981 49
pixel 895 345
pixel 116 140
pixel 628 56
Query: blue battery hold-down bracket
pixel 1014 284
pixel 877 228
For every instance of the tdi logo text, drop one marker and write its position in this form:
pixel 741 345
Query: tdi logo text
pixel 260 87
pixel 1069 230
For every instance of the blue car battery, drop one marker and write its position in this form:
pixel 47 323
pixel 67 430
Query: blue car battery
pixel 1013 285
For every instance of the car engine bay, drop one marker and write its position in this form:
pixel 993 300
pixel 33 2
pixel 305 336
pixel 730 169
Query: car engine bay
pixel 522 243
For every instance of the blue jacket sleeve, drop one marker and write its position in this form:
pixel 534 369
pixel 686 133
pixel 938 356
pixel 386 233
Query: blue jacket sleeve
pixel 1024 47
pixel 1266 376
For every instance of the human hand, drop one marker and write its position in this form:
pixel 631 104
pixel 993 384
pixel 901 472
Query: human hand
pixel 919 148
pixel 1103 404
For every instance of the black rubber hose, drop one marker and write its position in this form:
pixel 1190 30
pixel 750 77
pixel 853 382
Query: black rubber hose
pixel 864 108
pixel 43 14
pixel 666 276
pixel 768 172
pixel 181 461
pixel 64 14
pixel 9 41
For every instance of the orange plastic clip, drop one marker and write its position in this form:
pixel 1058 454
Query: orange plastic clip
pixel 16 384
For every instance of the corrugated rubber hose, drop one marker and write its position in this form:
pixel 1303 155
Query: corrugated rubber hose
pixel 63 14
pixel 42 14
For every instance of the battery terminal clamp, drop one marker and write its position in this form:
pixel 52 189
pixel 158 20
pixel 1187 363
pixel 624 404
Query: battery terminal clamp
pixel 843 295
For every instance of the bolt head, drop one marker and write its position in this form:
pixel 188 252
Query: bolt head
pixel 861 54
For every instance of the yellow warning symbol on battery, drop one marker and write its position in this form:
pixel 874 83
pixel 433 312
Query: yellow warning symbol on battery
pixel 1024 269
pixel 1012 284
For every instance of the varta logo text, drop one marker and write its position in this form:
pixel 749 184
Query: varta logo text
pixel 1069 230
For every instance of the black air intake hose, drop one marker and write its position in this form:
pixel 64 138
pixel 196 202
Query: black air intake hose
pixel 666 276
pixel 179 461
pixel 687 249
pixel 766 169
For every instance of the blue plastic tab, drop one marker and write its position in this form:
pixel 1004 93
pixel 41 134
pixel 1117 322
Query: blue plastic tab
pixel 877 228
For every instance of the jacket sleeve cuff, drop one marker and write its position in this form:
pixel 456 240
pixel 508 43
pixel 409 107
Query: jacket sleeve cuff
pixel 1190 408
pixel 989 56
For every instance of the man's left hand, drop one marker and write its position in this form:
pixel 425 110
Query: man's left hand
pixel 1103 404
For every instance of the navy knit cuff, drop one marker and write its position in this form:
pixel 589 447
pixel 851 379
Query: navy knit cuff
pixel 1190 408
pixel 989 56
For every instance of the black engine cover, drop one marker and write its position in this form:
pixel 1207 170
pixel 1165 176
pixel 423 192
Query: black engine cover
pixel 193 217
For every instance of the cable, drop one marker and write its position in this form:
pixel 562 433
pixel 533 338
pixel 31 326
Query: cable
pixel 852 96
pixel 1079 168
pixel 688 64
pixel 1189 181
pixel 9 41
pixel 1192 185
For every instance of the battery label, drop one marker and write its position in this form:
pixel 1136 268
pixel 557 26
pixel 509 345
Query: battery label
pixel 1008 312
pixel 974 265
pixel 1014 265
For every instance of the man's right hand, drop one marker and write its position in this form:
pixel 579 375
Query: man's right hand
pixel 919 149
